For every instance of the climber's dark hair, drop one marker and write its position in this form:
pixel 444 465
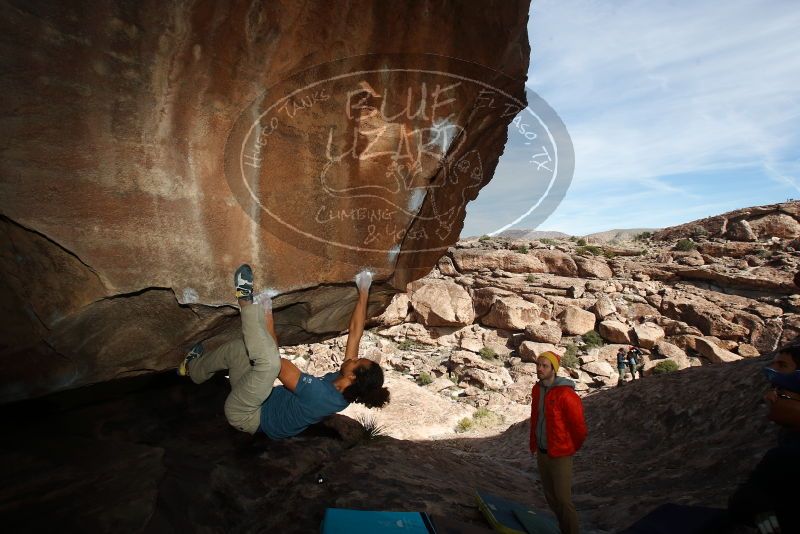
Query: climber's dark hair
pixel 792 349
pixel 367 389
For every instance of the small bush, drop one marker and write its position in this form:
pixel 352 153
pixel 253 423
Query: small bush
pixel 581 242
pixel 572 350
pixel 667 366
pixel 644 236
pixel 484 238
pixel 699 231
pixel 685 245
pixel 548 241
pixel 465 425
pixel 592 339
pixel 763 253
pixel 594 250
pixel 531 279
pixel 522 249
pixel 406 344
pixel 424 379
pixel 488 354
pixel 570 358
pixel 573 238
pixel 370 427
pixel 609 254
pixel 481 413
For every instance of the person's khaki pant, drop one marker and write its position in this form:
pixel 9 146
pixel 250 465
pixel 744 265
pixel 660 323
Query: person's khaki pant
pixel 250 384
pixel 556 475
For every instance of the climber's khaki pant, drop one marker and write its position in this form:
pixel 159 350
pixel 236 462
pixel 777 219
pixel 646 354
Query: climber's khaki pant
pixel 556 475
pixel 250 384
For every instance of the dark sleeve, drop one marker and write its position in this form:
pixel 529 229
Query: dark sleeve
pixel 763 489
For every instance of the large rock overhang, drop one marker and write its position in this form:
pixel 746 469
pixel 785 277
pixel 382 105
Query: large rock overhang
pixel 141 164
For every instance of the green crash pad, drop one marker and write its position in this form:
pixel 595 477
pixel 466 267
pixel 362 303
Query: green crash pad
pixel 509 517
pixel 343 521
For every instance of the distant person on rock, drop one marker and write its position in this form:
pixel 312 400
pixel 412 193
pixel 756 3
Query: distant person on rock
pixel 558 430
pixel 622 361
pixel 254 363
pixel 769 498
pixel 634 361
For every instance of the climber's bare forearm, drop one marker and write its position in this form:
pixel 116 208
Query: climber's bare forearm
pixel 356 330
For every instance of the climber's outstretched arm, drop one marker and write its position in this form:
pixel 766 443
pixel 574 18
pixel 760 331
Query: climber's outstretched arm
pixel 359 317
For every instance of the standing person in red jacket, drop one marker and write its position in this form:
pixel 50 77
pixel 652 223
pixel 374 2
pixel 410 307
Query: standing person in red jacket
pixel 557 431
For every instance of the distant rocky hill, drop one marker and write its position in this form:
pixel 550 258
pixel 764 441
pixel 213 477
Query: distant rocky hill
pixel 627 234
pixel 532 234
pixel 619 235
pixel 756 223
pixel 746 224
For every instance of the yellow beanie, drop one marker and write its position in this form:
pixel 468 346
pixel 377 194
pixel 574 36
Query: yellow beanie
pixel 554 358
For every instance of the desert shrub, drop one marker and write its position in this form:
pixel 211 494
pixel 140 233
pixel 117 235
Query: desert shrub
pixel 666 366
pixel 424 379
pixel 522 249
pixel 481 413
pixel 592 339
pixel 581 242
pixel 465 425
pixel 484 238
pixel 548 241
pixel 488 354
pixel 531 279
pixel 643 236
pixel 572 349
pixel 594 250
pixel 609 254
pixel 573 238
pixel 406 344
pixel 370 427
pixel 685 245
pixel 699 231
pixel 570 357
pixel 481 418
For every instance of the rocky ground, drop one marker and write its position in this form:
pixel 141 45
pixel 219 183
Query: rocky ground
pixel 469 333
pixel 154 453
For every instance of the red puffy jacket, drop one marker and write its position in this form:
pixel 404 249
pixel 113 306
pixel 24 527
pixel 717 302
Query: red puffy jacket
pixel 563 412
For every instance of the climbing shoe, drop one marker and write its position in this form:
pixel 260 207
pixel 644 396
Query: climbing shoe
pixel 196 352
pixel 243 281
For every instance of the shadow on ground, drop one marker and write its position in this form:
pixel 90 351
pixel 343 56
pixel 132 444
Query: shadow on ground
pixel 155 454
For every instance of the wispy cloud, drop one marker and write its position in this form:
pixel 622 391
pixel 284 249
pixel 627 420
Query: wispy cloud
pixel 665 100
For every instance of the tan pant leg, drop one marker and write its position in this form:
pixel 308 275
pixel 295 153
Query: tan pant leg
pixel 232 356
pixel 248 393
pixel 543 462
pixel 560 470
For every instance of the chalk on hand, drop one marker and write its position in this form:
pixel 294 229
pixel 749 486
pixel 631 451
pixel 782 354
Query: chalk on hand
pixel 264 298
pixel 364 280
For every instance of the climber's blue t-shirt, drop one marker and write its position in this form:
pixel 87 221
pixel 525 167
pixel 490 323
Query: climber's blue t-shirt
pixel 285 414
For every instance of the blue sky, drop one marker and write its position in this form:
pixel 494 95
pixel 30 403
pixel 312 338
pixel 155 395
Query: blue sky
pixel 676 110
